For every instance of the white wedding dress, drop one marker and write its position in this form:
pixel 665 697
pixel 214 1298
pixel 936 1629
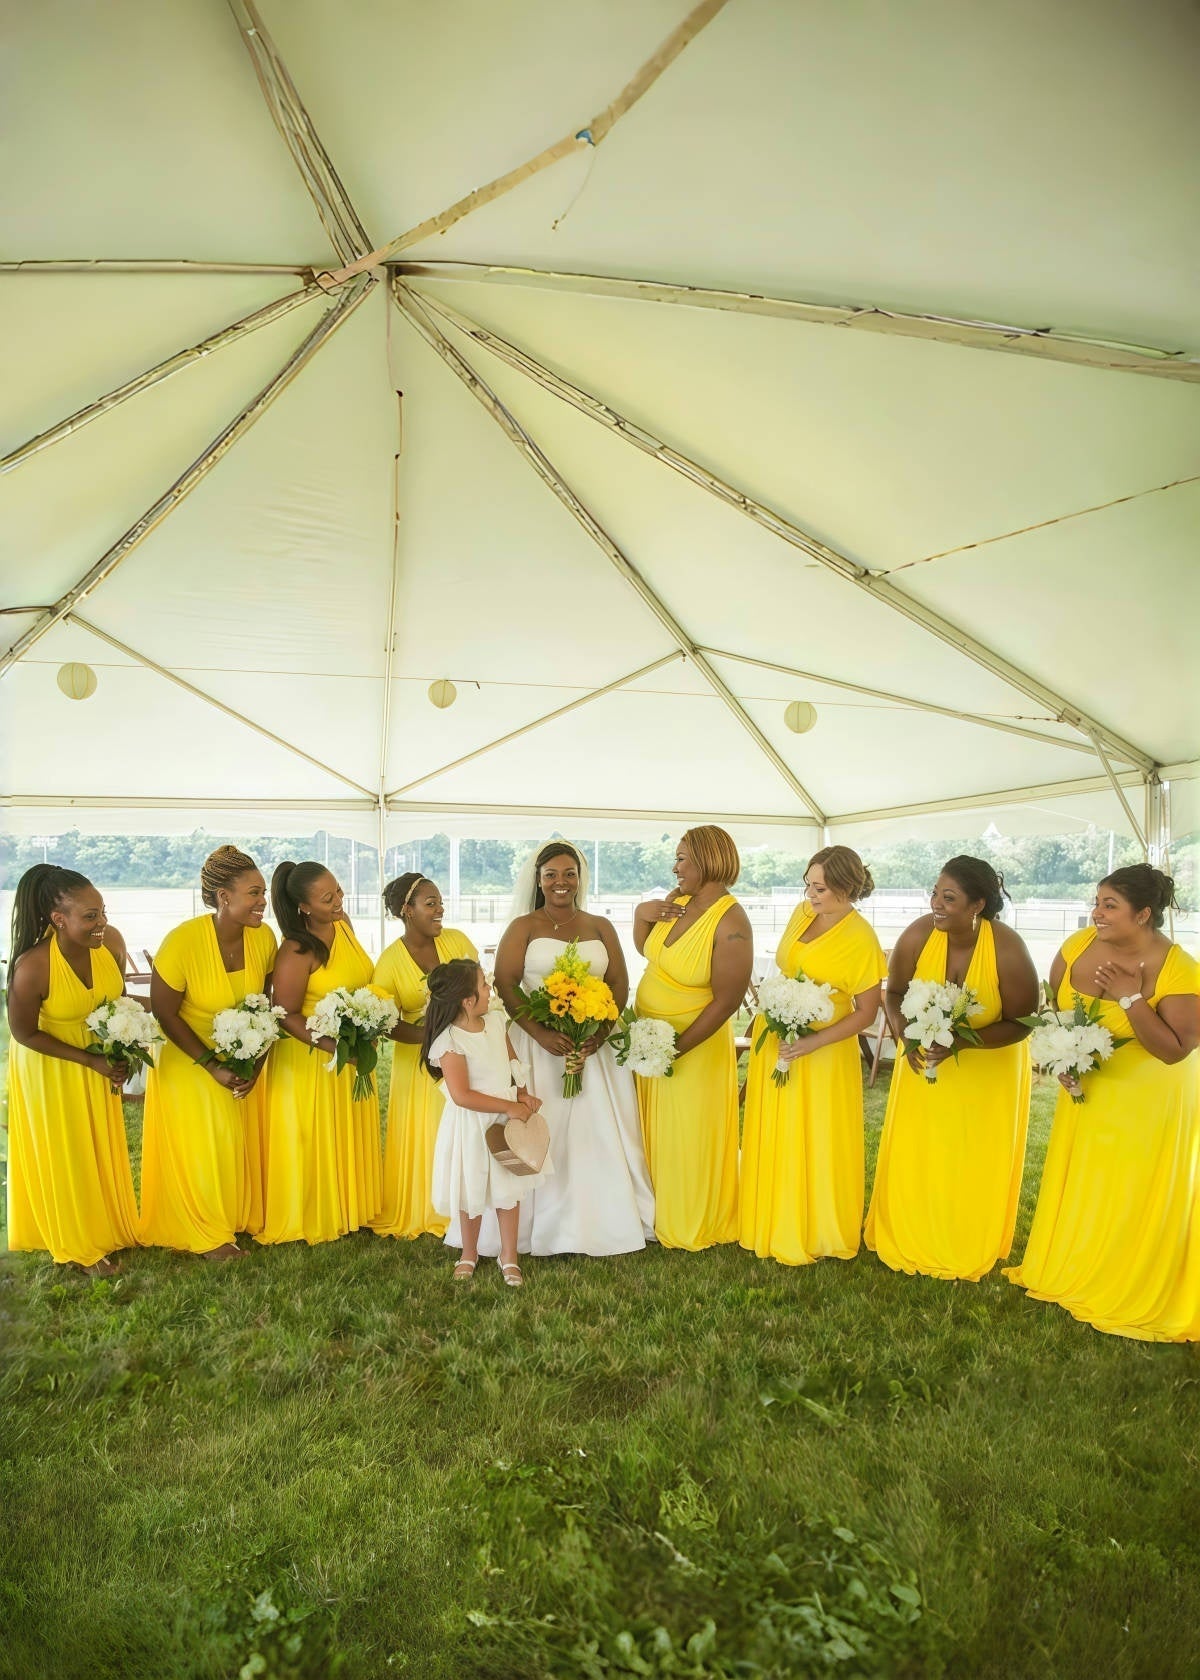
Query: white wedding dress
pixel 599 1199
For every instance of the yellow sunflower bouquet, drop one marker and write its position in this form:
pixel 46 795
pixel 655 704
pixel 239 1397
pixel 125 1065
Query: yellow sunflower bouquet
pixel 574 1001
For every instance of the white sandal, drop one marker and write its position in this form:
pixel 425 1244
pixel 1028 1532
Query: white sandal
pixel 459 1276
pixel 507 1267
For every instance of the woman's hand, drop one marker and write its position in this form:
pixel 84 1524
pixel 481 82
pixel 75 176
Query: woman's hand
pixel 914 1055
pixel 590 1045
pixel 232 1082
pixel 518 1111
pixel 529 1102
pixel 937 1053
pixel 1121 978
pixel 558 1044
pixel 118 1074
pixel 802 1046
pixel 659 910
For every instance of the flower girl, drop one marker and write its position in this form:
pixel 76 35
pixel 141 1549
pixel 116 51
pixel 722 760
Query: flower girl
pixel 469 1048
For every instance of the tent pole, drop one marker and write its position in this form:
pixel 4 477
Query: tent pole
pixel 1140 832
pixel 338 216
pixel 591 134
pixel 147 265
pixel 199 469
pixel 1080 350
pixel 155 375
pixel 549 474
pixel 903 700
pixel 211 700
pixel 536 723
pixel 385 722
pixel 876 584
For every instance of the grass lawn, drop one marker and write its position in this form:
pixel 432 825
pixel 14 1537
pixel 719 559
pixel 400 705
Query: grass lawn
pixel 332 1462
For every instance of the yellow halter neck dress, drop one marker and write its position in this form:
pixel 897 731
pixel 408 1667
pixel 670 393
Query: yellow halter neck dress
pixel 802 1143
pixel 202 1146
pixel 690 1121
pixel 415 1102
pixel 321 1157
pixel 1116 1232
pixel 952 1152
pixel 70 1189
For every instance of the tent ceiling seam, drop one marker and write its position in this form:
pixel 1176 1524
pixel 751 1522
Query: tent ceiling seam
pixel 551 477
pixel 874 583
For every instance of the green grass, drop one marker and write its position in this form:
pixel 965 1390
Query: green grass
pixel 332 1461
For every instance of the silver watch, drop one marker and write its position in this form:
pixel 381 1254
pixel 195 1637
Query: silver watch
pixel 1128 1002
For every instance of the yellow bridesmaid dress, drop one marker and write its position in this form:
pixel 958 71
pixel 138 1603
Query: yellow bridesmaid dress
pixel 202 1146
pixel 802 1143
pixel 321 1166
pixel 952 1152
pixel 70 1190
pixel 1116 1232
pixel 690 1121
pixel 414 1102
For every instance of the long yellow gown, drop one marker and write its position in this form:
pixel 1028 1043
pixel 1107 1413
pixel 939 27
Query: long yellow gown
pixel 202 1146
pixel 70 1189
pixel 414 1102
pixel 952 1152
pixel 321 1166
pixel 802 1143
pixel 1116 1232
pixel 690 1121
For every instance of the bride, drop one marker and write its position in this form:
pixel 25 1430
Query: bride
pixel 599 1199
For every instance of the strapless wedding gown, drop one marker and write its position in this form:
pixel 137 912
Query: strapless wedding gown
pixel 599 1200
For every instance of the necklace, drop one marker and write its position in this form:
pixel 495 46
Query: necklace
pixel 557 925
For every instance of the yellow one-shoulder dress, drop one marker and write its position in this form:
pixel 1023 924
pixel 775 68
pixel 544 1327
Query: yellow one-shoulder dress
pixel 690 1121
pixel 1116 1232
pixel 952 1152
pixel 414 1102
pixel 70 1189
pixel 321 1154
pixel 802 1143
pixel 201 1145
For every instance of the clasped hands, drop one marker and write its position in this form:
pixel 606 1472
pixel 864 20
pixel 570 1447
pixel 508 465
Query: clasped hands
pixel 525 1107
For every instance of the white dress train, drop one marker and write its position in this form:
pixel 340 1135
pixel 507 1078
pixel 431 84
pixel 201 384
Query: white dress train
pixel 599 1200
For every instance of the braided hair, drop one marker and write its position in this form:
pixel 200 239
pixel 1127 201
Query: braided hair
pixel 39 891
pixel 290 885
pixel 450 985
pixel 221 869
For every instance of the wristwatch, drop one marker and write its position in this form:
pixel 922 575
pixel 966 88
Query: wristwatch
pixel 1128 1002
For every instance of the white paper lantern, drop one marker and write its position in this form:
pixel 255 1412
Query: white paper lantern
pixel 800 717
pixel 443 693
pixel 77 681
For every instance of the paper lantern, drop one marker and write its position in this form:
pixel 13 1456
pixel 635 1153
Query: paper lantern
pixel 443 693
pixel 77 681
pixel 800 717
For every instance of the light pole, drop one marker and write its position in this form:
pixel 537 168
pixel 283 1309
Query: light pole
pixel 44 841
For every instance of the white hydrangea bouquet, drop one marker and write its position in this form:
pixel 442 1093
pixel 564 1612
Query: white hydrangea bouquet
pixel 243 1035
pixel 127 1032
pixel 792 1009
pixel 356 1021
pixel 938 1012
pixel 1068 1043
pixel 644 1045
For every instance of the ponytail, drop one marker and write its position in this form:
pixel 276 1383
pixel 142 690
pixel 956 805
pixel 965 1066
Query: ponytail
pixel 289 888
pixel 450 985
pixel 39 891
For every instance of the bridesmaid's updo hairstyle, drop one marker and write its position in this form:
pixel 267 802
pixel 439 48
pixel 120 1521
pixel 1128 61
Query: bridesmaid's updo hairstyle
pixel 399 894
pixel 844 871
pixel 221 869
pixel 978 880
pixel 714 854
pixel 290 886
pixel 450 985
pixel 556 848
pixel 39 891
pixel 1144 888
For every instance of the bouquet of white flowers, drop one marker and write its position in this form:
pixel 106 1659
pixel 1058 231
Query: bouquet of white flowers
pixel 938 1012
pixel 127 1032
pixel 792 1009
pixel 356 1020
pixel 243 1035
pixel 644 1045
pixel 1069 1042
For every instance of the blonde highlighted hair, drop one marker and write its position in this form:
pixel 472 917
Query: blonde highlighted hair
pixel 844 871
pixel 221 869
pixel 713 853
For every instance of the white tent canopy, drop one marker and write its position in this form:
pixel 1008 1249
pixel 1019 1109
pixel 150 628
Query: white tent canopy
pixel 850 357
